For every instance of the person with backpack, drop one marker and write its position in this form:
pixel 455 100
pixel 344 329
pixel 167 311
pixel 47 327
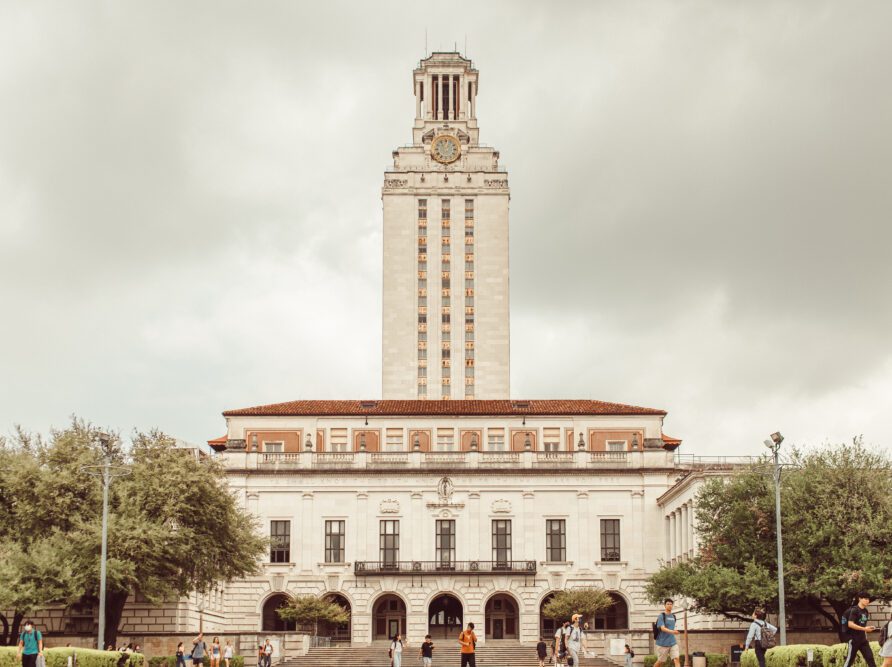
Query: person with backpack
pixel 575 638
pixel 629 654
pixel 396 650
pixel 198 650
pixel 30 644
pixel 853 629
pixel 664 634
pixel 468 641
pixel 886 644
pixel 760 636
pixel 559 651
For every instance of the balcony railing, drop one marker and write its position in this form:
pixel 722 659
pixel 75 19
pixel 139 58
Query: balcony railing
pixel 446 457
pixel 389 458
pixel 333 459
pixel 609 459
pixel 418 567
pixel 499 458
pixel 554 459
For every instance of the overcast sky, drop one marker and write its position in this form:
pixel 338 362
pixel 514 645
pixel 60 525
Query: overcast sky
pixel 190 214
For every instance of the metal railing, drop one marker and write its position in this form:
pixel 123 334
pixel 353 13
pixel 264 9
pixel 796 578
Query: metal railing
pixel 416 567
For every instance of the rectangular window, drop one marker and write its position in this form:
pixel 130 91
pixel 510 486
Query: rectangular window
pixel 274 447
pixel 334 541
pixel 394 441
pixel 610 540
pixel 422 209
pixel 279 541
pixel 339 440
pixel 551 439
pixel 501 542
pixel 445 546
pixel 445 206
pixel 616 445
pixel 422 353
pixel 469 209
pixel 496 439
pixel 556 540
pixel 446 439
pixel 390 544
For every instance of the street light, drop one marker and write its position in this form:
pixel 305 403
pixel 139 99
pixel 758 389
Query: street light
pixel 774 445
pixel 106 471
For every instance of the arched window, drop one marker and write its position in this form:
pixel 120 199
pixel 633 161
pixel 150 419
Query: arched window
pixel 615 617
pixel 271 620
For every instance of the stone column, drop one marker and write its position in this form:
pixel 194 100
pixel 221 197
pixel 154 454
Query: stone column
pixel 673 535
pixel 306 537
pixel 361 529
pixel 418 110
pixel 685 524
pixel 449 97
pixel 583 541
pixel 474 527
pixel 530 543
pixel 417 546
pixel 668 549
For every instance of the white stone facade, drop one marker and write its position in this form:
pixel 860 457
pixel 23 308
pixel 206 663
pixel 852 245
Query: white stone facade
pixel 458 270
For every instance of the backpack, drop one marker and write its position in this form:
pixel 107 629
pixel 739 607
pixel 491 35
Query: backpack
pixel 656 626
pixel 845 633
pixel 884 633
pixel 769 639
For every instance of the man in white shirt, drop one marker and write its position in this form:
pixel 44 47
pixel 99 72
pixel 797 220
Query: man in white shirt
pixel 574 640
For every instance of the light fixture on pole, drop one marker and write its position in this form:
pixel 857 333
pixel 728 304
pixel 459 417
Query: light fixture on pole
pixel 106 471
pixel 774 445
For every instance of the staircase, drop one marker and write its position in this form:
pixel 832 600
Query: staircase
pixel 492 654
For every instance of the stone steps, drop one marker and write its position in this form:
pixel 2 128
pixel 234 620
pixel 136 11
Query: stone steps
pixel 507 654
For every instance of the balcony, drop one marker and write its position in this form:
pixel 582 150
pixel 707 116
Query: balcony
pixel 534 460
pixel 421 567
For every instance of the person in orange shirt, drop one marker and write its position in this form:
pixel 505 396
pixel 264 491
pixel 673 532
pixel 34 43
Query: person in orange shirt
pixel 468 641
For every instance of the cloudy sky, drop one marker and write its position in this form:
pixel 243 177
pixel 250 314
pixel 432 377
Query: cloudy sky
pixel 190 215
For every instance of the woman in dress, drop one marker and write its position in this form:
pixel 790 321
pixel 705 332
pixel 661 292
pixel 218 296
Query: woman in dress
pixel 396 650
pixel 227 653
pixel 216 652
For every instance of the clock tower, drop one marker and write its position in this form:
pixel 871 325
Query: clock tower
pixel 446 328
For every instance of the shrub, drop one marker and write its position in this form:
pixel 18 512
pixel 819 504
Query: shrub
pixel 712 660
pixel 171 661
pixel 58 657
pixel 796 655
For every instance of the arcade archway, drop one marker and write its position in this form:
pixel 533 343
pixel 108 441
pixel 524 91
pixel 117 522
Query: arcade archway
pixel 389 617
pixel 547 626
pixel 338 632
pixel 444 616
pixel 615 617
pixel 501 617
pixel 271 622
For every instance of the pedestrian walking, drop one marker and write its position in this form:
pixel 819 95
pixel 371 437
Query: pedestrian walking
pixel 468 641
pixel 228 653
pixel 574 641
pixel 260 659
pixel 396 650
pixel 427 651
pixel 886 648
pixel 30 644
pixel 759 628
pixel 199 648
pixel 268 653
pixel 216 652
pixel 541 652
pixel 667 644
pixel 629 654
pixel 855 626
pixel 559 650
pixel 181 655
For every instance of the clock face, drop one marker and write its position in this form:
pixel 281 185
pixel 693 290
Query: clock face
pixel 445 149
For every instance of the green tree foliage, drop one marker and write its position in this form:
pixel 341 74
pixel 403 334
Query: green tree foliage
pixel 584 601
pixel 837 530
pixel 309 609
pixel 174 526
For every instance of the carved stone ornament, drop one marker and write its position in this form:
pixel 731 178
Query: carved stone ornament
pixel 395 182
pixel 495 182
pixel 501 506
pixel 389 506
pixel 445 489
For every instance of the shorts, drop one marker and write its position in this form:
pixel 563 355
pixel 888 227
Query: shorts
pixel 197 661
pixel 667 652
pixel 426 662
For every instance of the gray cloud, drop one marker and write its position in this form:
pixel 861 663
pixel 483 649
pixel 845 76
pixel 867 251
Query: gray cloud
pixel 190 213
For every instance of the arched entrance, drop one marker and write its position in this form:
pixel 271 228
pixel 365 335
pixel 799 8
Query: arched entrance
pixel 271 622
pixel 615 617
pixel 501 617
pixel 389 617
pixel 547 626
pixel 337 632
pixel 444 616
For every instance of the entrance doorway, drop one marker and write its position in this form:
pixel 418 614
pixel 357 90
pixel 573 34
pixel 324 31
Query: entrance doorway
pixel 270 619
pixel 501 617
pixel 389 617
pixel 444 616
pixel 338 632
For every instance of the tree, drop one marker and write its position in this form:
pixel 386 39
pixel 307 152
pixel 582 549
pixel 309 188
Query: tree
pixel 836 512
pixel 307 609
pixel 585 601
pixel 174 525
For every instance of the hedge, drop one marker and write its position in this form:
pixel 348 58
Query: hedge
pixel 58 657
pixel 171 661
pixel 796 655
pixel 712 660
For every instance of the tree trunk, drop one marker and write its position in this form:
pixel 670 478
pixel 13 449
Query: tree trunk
pixel 114 610
pixel 5 638
pixel 17 618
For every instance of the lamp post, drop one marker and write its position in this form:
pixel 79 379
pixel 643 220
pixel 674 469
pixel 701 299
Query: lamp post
pixel 774 445
pixel 106 471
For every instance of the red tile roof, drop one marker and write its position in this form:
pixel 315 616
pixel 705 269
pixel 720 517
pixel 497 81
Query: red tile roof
pixel 670 442
pixel 219 443
pixel 446 408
